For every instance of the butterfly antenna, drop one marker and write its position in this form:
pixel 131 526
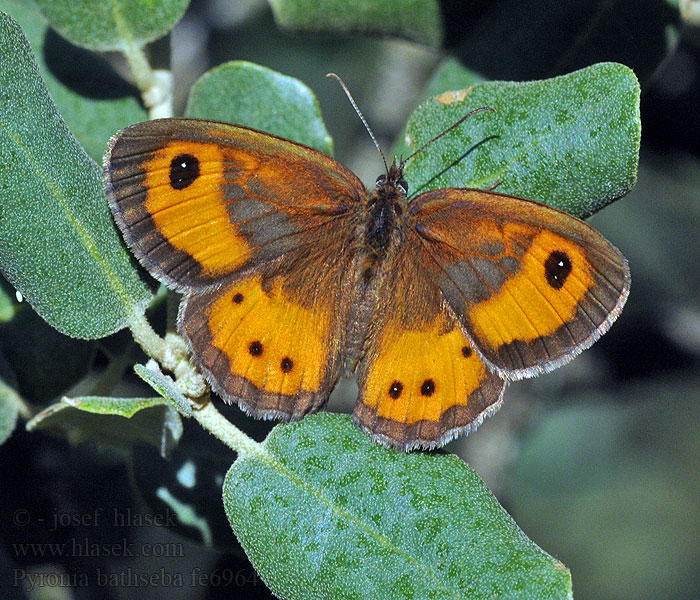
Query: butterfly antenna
pixel 450 128
pixel 359 114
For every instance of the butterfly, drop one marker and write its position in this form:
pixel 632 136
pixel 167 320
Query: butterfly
pixel 293 273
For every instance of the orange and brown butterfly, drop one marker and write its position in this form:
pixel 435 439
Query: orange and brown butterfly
pixel 293 274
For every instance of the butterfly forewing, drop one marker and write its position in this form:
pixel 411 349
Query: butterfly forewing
pixel 198 201
pixel 530 285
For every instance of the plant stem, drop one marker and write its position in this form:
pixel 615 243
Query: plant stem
pixel 221 428
pixel 156 86
pixel 151 343
pixel 139 65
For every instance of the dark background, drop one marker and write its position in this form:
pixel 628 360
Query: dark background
pixel 598 462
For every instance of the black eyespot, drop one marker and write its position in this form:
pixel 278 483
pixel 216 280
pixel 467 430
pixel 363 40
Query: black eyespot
pixel 184 170
pixel 428 388
pixel 255 348
pixel 395 389
pixel 403 184
pixel 557 269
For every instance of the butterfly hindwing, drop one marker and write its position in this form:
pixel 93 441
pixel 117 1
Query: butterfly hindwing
pixel 531 286
pixel 420 382
pixel 198 201
pixel 271 341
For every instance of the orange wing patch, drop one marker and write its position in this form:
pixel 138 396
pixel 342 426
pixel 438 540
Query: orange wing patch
pixel 544 295
pixel 421 388
pixel 285 359
pixel 184 199
pixel 532 286
pixel 261 348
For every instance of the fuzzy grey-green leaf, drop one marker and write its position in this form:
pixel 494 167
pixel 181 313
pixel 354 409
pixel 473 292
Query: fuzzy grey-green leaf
pixel 58 245
pixel 91 97
pixel 118 422
pixel 323 512
pixel 98 405
pixel 571 142
pixel 450 75
pixel 112 24
pixel 9 410
pixel 417 20
pixel 165 386
pixel 253 96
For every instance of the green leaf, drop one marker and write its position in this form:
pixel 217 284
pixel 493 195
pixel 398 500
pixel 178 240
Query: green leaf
pixel 571 142
pixel 107 405
pixel 417 20
pixel 112 24
pixel 9 410
pixel 323 512
pixel 94 101
pixel 247 94
pixel 164 385
pixel 450 75
pixel 58 244
pixel 118 422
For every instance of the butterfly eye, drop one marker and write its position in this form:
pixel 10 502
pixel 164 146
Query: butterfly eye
pixel 402 183
pixel 381 179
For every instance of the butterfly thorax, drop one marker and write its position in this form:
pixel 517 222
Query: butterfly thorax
pixel 385 207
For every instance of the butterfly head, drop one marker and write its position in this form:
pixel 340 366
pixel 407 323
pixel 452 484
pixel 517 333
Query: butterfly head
pixel 392 184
